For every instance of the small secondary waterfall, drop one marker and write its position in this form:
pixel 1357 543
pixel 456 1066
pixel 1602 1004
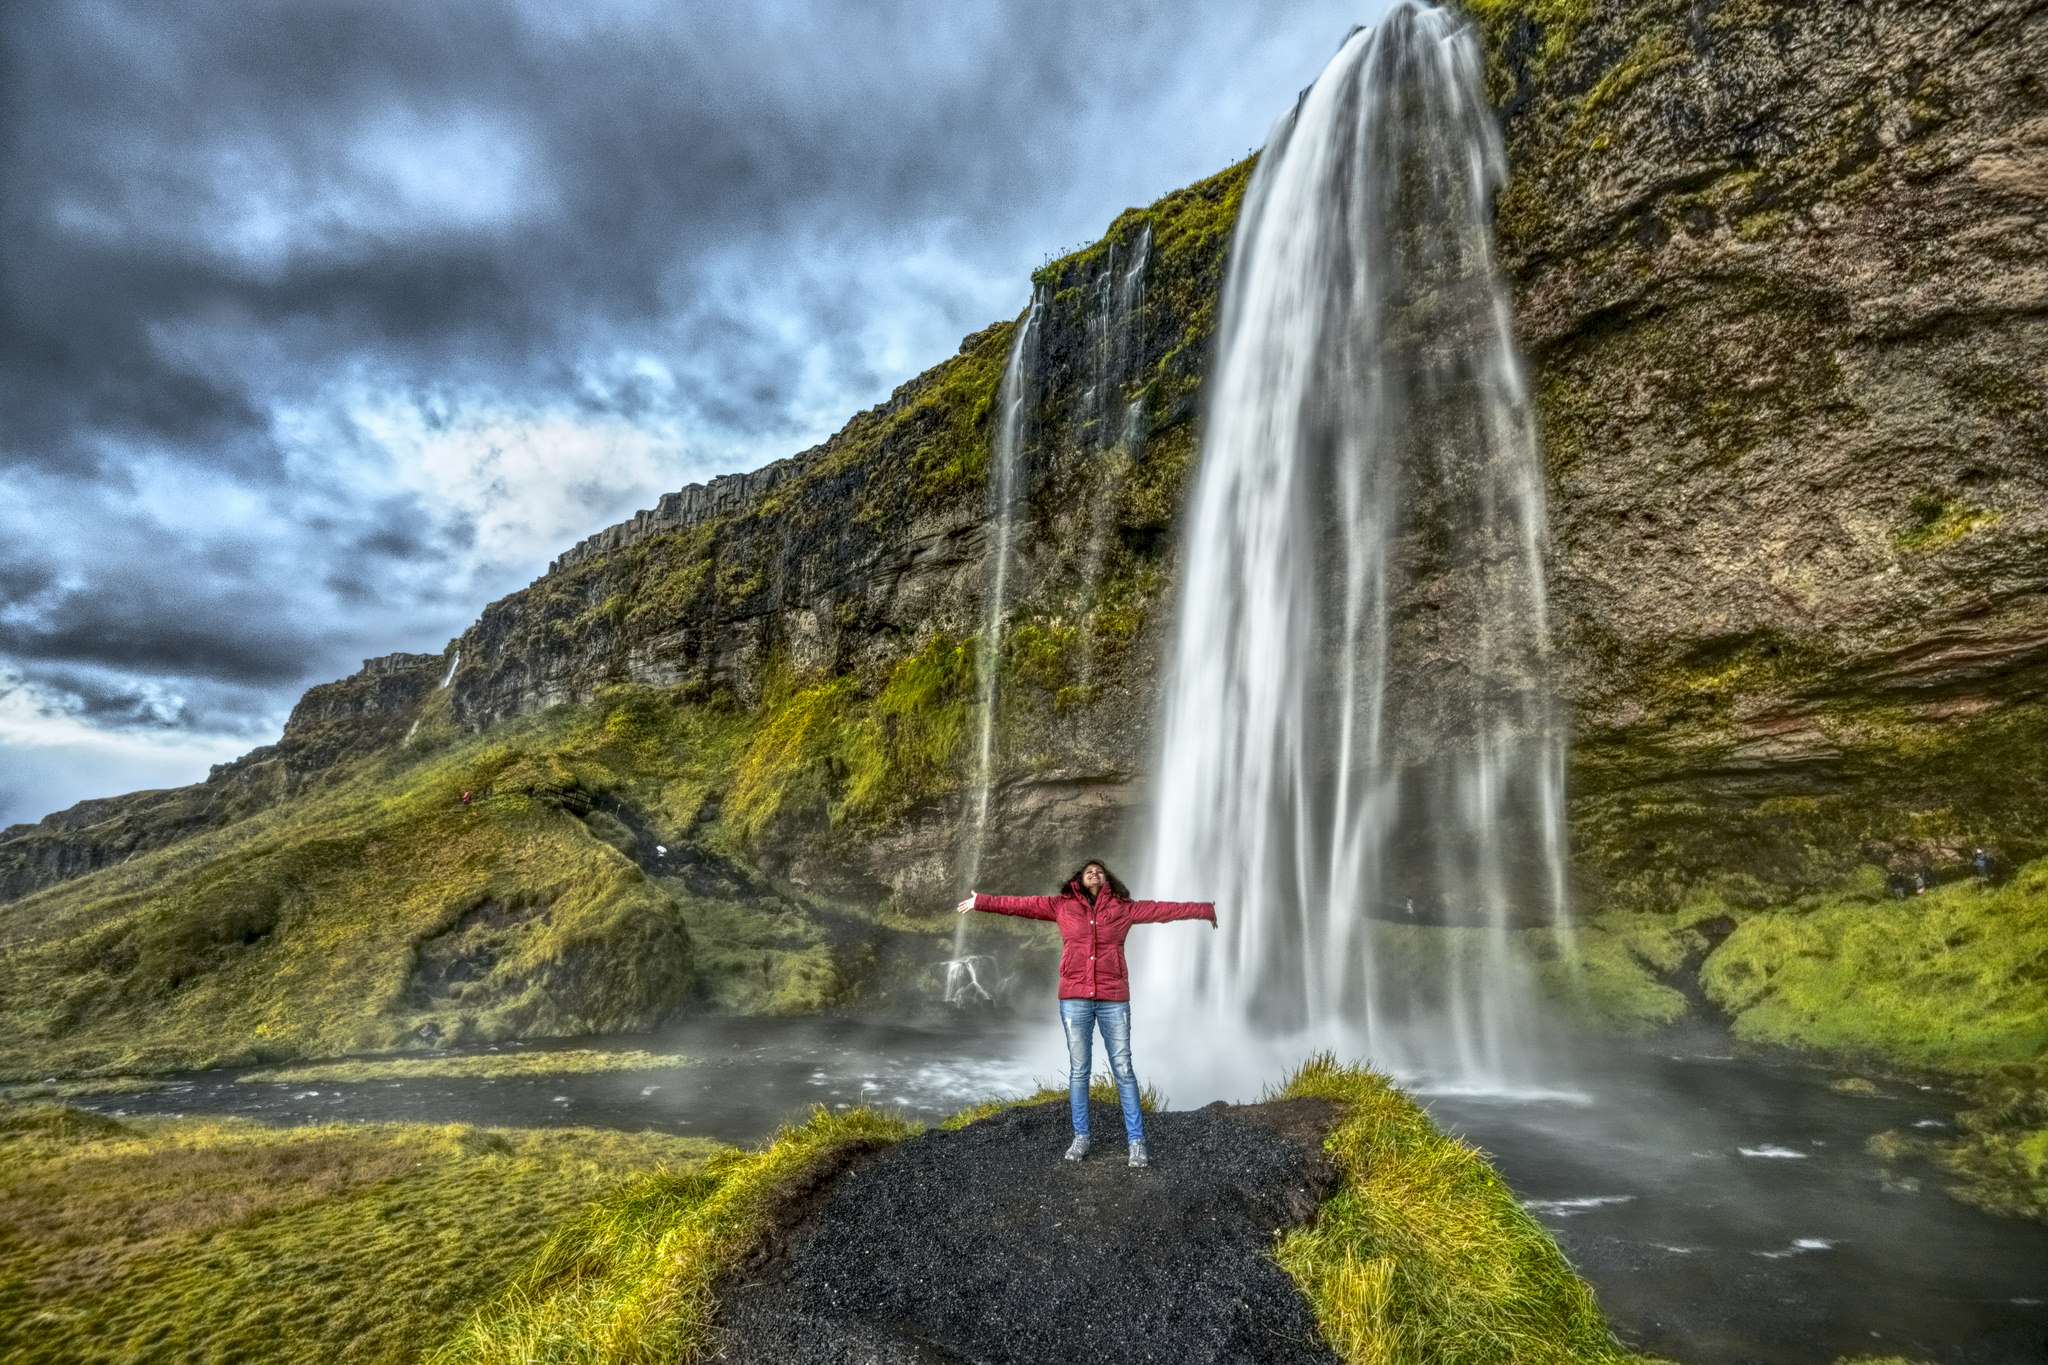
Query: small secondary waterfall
pixel 1117 423
pixel 965 973
pixel 453 664
pixel 1361 762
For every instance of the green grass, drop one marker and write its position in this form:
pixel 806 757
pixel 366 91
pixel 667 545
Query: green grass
pixel 1423 1254
pixel 630 1283
pixel 297 932
pixel 481 1066
pixel 1955 980
pixel 218 1241
pixel 1607 972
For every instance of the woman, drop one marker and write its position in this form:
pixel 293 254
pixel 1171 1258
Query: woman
pixel 1094 912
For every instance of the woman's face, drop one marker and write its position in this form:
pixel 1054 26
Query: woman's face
pixel 1093 877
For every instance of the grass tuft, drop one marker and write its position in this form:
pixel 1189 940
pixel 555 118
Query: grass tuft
pixel 631 1281
pixel 1955 980
pixel 222 1240
pixel 1423 1254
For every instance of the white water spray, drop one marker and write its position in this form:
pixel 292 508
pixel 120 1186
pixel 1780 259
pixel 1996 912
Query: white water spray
pixel 1019 390
pixel 1358 726
pixel 453 664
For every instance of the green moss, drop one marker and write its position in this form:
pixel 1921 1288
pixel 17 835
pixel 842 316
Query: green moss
pixel 632 1280
pixel 2001 1160
pixel 1041 654
pixel 1758 227
pixel 1935 521
pixel 827 749
pixel 219 1240
pixel 1956 979
pixel 1423 1253
pixel 1552 24
pixel 1658 49
pixel 1608 972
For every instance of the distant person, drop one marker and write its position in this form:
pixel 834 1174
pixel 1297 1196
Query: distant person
pixel 1094 911
pixel 465 798
pixel 1980 863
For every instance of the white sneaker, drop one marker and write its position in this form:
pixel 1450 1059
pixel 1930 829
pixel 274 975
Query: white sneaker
pixel 1138 1154
pixel 1079 1147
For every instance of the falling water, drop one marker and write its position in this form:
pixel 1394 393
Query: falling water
pixel 1361 761
pixel 964 974
pixel 453 664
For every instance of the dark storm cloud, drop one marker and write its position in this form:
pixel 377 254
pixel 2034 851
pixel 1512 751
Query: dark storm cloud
pixel 274 168
pixel 226 228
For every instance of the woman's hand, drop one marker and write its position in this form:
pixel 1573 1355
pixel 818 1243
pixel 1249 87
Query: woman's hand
pixel 964 906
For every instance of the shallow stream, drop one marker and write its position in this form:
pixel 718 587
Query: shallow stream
pixel 1724 1207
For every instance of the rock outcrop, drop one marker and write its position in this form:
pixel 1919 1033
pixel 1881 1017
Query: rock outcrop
pixel 366 713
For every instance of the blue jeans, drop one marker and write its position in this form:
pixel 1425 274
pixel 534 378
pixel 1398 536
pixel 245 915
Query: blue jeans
pixel 1081 1018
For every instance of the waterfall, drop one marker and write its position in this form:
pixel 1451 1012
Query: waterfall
pixel 1118 426
pixel 1361 762
pixel 1014 398
pixel 453 664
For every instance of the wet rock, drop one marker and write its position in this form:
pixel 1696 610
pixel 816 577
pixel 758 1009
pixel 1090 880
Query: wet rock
pixel 984 1245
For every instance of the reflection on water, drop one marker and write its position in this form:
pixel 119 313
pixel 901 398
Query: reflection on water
pixel 1724 1208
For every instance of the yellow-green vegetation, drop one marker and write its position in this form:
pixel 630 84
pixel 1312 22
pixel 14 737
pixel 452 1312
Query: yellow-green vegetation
pixel 1607 971
pixel 1935 521
pixel 477 1066
pixel 820 745
pixel 217 1241
pixel 757 960
pixel 2002 1156
pixel 1954 980
pixel 378 910
pixel 1423 1254
pixel 630 1283
pixel 1553 24
pixel 53 1089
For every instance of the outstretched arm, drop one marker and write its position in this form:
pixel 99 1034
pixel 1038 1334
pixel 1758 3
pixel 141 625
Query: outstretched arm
pixel 1028 907
pixel 1159 912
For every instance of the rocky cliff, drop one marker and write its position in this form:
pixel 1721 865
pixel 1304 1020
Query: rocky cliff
pixel 1783 281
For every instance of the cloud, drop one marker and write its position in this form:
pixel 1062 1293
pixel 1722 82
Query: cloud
pixel 321 325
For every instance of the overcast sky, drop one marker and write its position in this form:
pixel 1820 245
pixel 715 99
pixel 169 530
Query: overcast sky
pixel 325 322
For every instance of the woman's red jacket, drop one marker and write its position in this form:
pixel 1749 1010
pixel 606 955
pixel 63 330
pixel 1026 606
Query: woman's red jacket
pixel 1092 935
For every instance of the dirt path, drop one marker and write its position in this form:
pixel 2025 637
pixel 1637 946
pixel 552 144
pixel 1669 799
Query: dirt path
pixel 982 1245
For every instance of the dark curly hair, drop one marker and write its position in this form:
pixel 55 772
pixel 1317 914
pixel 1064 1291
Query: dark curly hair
pixel 1073 883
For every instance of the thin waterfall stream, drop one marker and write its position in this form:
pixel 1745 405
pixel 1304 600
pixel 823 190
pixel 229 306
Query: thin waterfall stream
pixel 969 977
pixel 1360 758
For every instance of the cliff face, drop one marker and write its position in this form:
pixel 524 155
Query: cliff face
pixel 1783 281
pixel 1782 274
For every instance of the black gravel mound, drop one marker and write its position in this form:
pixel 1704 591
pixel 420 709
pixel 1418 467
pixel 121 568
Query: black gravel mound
pixel 983 1245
